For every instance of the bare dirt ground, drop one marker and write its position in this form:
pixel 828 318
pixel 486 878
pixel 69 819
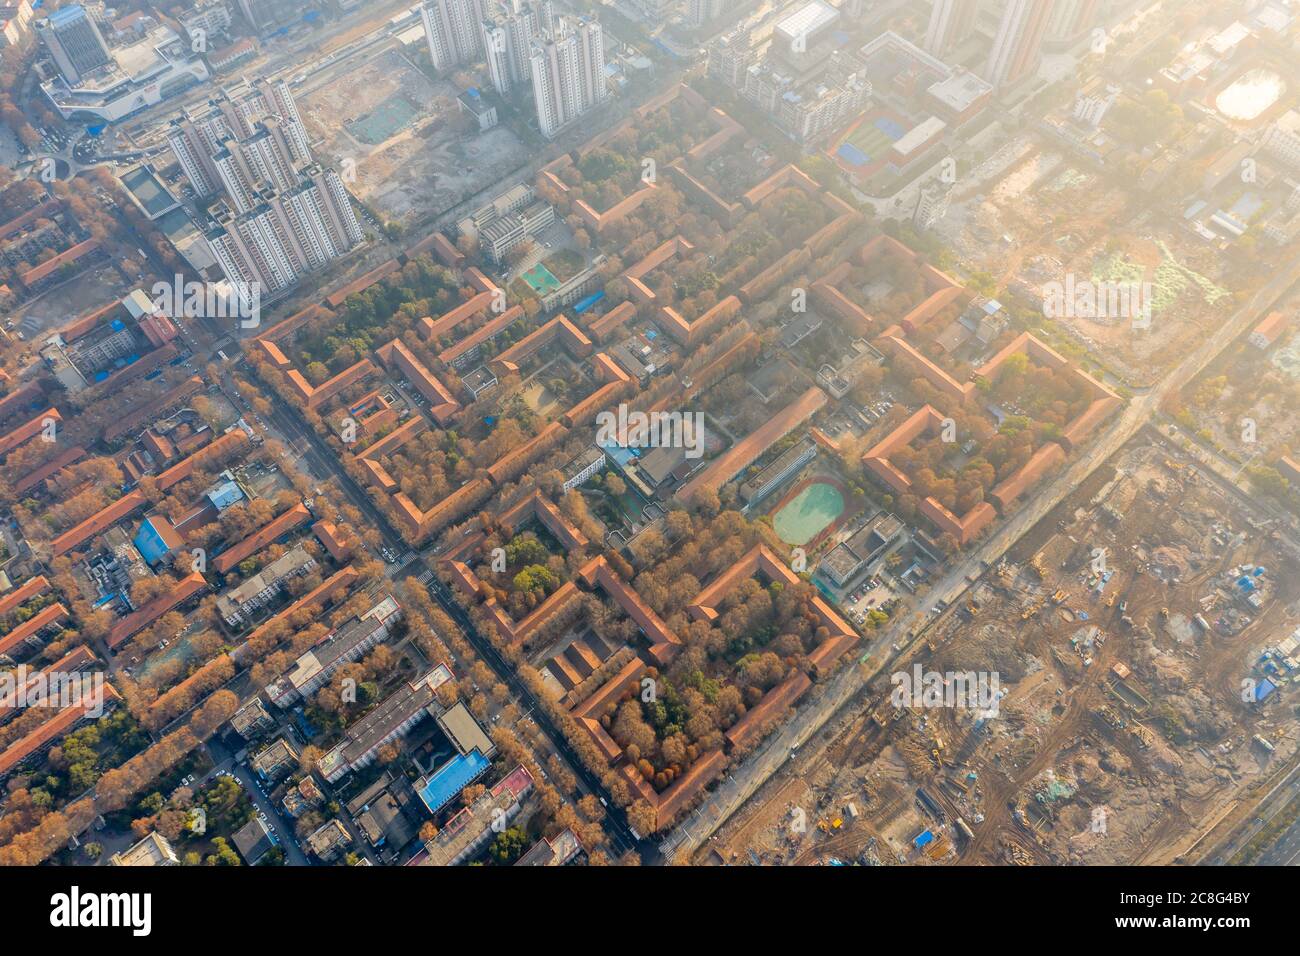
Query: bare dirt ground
pixel 421 168
pixel 91 289
pixel 1045 217
pixel 1121 733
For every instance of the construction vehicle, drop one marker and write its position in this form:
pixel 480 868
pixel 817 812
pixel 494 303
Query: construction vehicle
pixel 1060 596
pixel 1030 611
pixel 1164 614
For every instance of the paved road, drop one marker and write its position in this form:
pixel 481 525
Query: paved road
pixel 1283 794
pixel 324 464
pixel 846 685
pixel 279 824
pixel 1285 850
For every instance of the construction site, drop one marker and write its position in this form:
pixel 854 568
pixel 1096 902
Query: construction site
pixel 1027 216
pixel 402 134
pixel 1131 639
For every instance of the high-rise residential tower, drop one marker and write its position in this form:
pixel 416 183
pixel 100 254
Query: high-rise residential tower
pixel 1018 46
pixel 453 30
pixel 568 74
pixel 951 22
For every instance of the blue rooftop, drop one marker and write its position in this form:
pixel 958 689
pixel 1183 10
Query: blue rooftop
pixel 66 15
pixel 451 778
pixel 225 494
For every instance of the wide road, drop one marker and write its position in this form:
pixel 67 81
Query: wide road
pixel 910 631
pixel 1283 851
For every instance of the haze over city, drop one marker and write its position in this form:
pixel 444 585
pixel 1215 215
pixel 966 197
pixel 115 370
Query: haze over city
pixel 696 433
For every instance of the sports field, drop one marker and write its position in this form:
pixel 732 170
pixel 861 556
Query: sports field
pixel 540 279
pixel 387 120
pixel 870 140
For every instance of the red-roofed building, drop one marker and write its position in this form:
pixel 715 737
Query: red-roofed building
pixel 137 621
pixel 178 472
pixel 295 517
pixel 28 631
pixel 32 587
pixel 1267 332
pixel 68 456
pixel 746 451
pixel 49 271
pixel 98 523
pixel 25 433
pixel 58 726
pixel 442 404
pixel 328 534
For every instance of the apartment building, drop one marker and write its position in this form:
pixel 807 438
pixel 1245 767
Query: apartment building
pixel 453 31
pixel 568 73
pixel 700 12
pixel 345 644
pixel 208 18
pixel 258 122
pixel 1018 45
pixel 239 604
pixel 289 234
pixel 1282 141
pixel 15 22
pixel 951 23
pixel 508 39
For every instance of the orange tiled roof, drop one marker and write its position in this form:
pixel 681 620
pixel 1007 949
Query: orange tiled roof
pixel 141 618
pixel 255 542
pixel 45 617
pixel 98 523
pixel 32 587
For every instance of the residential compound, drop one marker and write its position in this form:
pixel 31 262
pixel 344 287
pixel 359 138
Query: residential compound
pixel 508 38
pixel 272 213
pixel 453 31
pixel 568 73
pixel 799 75
pixel 528 50
pixel 878 413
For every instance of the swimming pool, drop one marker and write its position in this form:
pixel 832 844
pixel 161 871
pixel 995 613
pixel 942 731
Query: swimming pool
pixel 808 513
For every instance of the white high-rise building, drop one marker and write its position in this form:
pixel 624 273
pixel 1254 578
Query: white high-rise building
pixel 283 215
pixel 288 234
pixel 1018 45
pixel 700 12
pixel 262 114
pixel 1070 19
pixel 453 30
pixel 508 40
pixel 568 74
pixel 951 22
